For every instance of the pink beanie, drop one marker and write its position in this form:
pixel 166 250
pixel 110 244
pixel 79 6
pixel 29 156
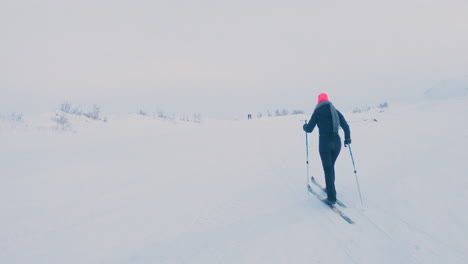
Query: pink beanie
pixel 322 97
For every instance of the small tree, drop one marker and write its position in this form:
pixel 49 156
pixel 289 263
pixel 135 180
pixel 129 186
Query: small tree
pixel 284 112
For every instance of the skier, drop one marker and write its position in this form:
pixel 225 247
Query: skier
pixel 328 120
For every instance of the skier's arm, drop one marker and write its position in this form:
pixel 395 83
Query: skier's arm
pixel 309 127
pixel 344 125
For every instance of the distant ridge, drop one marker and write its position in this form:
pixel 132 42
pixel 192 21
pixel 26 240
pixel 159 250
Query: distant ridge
pixel 448 88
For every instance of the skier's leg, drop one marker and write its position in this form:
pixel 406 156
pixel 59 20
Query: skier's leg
pixel 336 149
pixel 328 169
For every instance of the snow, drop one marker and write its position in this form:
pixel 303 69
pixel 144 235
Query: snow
pixel 136 189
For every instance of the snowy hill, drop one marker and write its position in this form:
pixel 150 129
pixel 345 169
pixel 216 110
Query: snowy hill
pixel 449 88
pixel 142 190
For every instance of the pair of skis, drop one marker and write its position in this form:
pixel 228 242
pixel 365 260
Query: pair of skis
pixel 332 206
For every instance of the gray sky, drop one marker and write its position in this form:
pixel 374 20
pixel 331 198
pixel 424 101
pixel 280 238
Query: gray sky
pixel 223 58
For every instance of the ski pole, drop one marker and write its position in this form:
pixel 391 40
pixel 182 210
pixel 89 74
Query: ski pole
pixel 355 173
pixel 307 155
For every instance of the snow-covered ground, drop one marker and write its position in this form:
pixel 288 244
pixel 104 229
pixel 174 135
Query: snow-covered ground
pixel 142 190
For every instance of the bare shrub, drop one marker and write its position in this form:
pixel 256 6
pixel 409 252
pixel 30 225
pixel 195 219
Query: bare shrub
pixel 297 112
pixel 161 114
pixel 383 105
pixel 61 121
pixel 171 117
pixel 66 107
pixel 13 117
pixel 184 117
pixel 16 117
pixel 197 118
pixel 94 113
pixel 76 111
pixel 362 109
pixel 357 110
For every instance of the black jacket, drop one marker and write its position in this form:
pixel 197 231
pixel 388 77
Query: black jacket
pixel 323 118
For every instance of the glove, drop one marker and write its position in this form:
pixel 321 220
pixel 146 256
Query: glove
pixel 304 127
pixel 347 141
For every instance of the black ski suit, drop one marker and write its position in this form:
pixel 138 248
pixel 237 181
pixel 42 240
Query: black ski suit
pixel 327 118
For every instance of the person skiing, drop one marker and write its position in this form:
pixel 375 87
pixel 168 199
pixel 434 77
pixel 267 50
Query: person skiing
pixel 328 120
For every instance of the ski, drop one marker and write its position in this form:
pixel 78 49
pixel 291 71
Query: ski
pixel 325 190
pixel 333 207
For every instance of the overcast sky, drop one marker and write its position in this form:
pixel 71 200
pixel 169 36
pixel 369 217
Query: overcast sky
pixel 223 58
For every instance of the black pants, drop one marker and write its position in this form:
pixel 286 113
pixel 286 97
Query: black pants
pixel 329 147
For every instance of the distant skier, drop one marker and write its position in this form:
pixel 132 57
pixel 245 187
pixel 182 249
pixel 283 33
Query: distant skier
pixel 328 120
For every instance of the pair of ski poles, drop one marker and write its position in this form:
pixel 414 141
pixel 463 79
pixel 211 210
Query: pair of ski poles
pixel 352 159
